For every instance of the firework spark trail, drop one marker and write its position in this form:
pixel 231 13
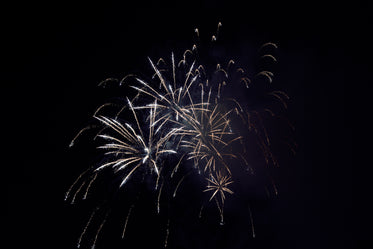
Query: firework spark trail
pixel 269 56
pixel 251 222
pixel 99 230
pixel 178 184
pixel 77 192
pixel 185 113
pixel 75 182
pixel 167 233
pixel 177 166
pixel 85 228
pixel 268 44
pixel 220 208
pixel 79 133
pixel 89 186
pixel 159 197
pixel 127 218
pixel 200 211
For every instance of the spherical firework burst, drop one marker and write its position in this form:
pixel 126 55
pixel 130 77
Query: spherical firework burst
pixel 183 116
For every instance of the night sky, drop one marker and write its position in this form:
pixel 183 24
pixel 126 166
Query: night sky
pixel 55 53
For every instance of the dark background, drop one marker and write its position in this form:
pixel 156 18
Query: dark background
pixel 55 53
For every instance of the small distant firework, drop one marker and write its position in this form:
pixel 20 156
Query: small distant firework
pixel 184 111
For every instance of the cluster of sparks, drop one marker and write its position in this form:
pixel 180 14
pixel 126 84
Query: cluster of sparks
pixel 181 113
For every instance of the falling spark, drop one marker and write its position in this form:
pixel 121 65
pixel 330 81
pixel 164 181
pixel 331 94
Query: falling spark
pixel 75 182
pixel 251 222
pixel 159 197
pixel 178 184
pixel 79 133
pixel 200 212
pixel 89 186
pixel 99 230
pixel 196 31
pixel 126 222
pixel 167 233
pixel 86 226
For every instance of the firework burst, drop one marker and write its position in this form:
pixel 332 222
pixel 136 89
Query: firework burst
pixel 186 112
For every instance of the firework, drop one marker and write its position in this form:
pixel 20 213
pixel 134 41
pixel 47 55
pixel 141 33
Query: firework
pixel 184 111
